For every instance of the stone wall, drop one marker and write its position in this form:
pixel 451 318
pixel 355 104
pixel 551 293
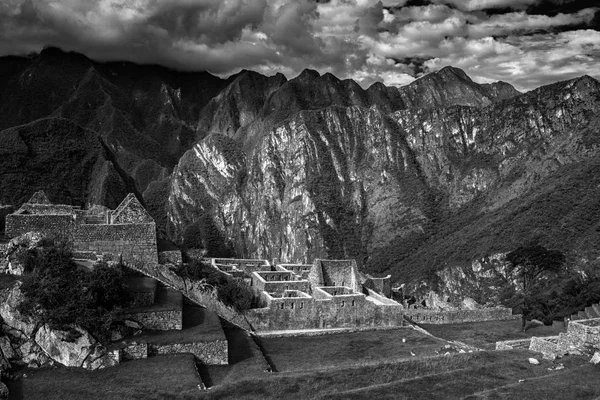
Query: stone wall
pixel 513 344
pixel 310 313
pixel 160 320
pixel 135 242
pixel 134 351
pixel 3 255
pixel 60 226
pixel 548 346
pixel 458 316
pixel 209 353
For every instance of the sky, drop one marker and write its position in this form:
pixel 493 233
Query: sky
pixel 528 43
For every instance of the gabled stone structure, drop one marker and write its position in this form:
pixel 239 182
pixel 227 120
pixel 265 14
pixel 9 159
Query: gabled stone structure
pixel 127 233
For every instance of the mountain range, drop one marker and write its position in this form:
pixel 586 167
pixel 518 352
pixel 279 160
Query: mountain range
pixel 406 180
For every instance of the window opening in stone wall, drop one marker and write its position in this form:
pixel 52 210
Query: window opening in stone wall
pixel 302 305
pixel 292 306
pixel 343 303
pixel 352 303
pixel 281 306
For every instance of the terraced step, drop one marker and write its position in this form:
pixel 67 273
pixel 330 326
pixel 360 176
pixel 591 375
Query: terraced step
pixel 591 312
pixel 596 308
pixel 164 314
pixel 582 315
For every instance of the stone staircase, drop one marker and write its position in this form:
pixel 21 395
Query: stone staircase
pixel 165 324
pixel 590 312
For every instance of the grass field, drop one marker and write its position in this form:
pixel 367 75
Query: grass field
pixel 160 377
pixel 485 334
pixel 306 353
pixel 442 377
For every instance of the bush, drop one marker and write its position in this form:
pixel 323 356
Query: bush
pixel 60 293
pixel 230 291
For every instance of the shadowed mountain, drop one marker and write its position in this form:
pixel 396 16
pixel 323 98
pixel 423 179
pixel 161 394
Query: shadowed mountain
pixel 145 115
pixel 375 174
pixel 406 180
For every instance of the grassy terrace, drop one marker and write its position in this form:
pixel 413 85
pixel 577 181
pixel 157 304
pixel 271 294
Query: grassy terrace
pixel 485 334
pixel 440 377
pixel 199 325
pixel 161 377
pixel 305 353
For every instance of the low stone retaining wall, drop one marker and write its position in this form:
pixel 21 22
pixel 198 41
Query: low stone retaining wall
pixel 160 320
pixel 513 344
pixel 209 353
pixel 134 351
pixel 548 346
pixel 459 316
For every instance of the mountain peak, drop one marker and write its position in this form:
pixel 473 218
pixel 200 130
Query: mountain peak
pixel 308 74
pixel 450 72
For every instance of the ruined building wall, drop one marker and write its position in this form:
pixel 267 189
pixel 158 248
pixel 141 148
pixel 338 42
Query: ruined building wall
pixel 134 242
pixel 60 226
pixel 308 313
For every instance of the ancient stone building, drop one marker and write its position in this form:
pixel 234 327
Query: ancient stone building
pixel 325 294
pixel 128 232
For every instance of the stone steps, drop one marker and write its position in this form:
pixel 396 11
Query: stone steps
pixel 591 313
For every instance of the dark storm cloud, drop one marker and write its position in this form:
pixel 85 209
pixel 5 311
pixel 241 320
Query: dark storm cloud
pixel 525 42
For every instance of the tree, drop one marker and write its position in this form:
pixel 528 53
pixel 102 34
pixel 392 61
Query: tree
pixel 535 270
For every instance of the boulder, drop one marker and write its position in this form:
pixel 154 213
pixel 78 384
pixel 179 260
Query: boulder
pixel 101 358
pixel 533 361
pixel 32 355
pixel 60 345
pixel 469 304
pixel 11 315
pixel 595 358
pixel 6 348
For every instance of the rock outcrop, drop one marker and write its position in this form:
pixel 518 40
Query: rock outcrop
pixel 24 341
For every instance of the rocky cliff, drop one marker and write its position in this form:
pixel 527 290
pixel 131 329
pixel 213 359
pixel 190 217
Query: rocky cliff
pixel 396 178
pixel 407 180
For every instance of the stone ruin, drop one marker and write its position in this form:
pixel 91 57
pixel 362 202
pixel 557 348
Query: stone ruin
pixel 330 294
pixel 127 233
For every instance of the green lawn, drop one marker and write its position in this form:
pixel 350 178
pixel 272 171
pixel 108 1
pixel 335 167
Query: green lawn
pixel 442 377
pixel 306 353
pixel 160 377
pixel 485 334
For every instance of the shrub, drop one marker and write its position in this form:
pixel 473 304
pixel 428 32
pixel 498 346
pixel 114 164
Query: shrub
pixel 60 293
pixel 230 291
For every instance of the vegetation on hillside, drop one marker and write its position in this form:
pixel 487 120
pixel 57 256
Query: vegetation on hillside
pixel 541 284
pixel 231 291
pixel 60 293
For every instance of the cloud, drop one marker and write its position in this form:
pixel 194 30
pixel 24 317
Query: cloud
pixel 391 41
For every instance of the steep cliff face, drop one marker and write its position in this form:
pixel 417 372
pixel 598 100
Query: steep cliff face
pixel 377 175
